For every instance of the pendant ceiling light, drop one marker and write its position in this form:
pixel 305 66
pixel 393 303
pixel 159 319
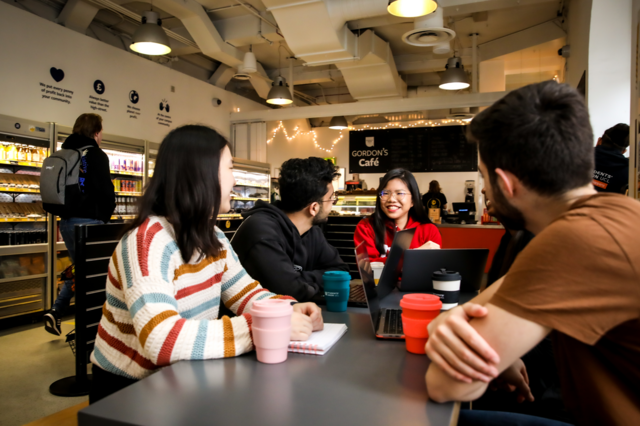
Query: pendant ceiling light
pixel 338 123
pixel 454 78
pixel 150 38
pixel 411 8
pixel 279 93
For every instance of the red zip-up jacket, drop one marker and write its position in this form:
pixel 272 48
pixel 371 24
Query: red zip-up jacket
pixel 364 232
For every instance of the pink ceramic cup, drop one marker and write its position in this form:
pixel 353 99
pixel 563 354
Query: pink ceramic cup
pixel 271 329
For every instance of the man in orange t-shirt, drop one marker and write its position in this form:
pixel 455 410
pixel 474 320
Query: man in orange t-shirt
pixel 578 279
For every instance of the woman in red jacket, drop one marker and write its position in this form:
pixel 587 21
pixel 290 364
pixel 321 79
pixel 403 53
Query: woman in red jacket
pixel 398 207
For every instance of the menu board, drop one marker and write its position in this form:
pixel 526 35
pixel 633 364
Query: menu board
pixel 418 149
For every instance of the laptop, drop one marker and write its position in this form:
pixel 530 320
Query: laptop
pixel 386 322
pixel 420 264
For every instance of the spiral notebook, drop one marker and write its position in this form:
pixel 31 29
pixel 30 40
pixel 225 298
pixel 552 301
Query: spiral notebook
pixel 320 341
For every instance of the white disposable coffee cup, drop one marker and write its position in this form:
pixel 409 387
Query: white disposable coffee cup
pixel 446 285
pixel 377 268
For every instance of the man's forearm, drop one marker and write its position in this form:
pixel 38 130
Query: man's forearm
pixel 484 297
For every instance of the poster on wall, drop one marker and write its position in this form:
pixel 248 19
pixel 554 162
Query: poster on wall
pixel 419 150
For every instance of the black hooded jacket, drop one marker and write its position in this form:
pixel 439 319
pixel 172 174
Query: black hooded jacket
pixel 274 253
pixel 612 170
pixel 99 198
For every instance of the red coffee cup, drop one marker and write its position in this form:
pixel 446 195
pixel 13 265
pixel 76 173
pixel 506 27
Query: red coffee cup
pixel 418 310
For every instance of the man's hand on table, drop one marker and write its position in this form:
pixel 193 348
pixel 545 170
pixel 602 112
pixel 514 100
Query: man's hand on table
pixel 306 318
pixel 458 349
pixel 515 379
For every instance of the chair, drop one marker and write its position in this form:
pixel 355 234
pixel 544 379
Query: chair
pixel 94 246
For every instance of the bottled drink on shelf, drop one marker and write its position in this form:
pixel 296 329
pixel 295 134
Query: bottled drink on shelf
pixel 12 153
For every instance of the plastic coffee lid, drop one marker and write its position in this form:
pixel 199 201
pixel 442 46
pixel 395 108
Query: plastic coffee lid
pixel 336 275
pixel 421 302
pixel 272 307
pixel 444 275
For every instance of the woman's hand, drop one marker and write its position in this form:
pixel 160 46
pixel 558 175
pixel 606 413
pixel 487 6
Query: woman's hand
pixel 301 326
pixel 429 245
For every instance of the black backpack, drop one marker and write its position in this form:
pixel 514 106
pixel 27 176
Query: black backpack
pixel 60 187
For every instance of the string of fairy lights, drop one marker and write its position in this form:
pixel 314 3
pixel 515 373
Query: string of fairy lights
pixel 299 132
pixel 421 123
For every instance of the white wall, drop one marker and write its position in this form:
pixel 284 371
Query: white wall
pixel 609 79
pixel 280 149
pixel 32 45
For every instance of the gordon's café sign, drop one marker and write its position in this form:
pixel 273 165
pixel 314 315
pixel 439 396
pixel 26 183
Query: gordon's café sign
pixel 365 156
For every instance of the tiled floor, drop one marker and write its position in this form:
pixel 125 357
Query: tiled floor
pixel 30 360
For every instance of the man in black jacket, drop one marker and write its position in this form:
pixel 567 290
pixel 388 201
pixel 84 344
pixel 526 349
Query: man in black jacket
pixel 278 243
pixel 612 167
pixel 95 206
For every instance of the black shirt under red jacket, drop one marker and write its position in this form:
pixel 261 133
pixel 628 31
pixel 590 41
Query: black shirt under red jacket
pixel 364 232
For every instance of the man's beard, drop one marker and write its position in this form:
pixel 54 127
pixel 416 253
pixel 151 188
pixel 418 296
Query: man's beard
pixel 508 215
pixel 320 218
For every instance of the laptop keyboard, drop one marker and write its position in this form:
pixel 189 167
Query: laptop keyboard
pixel 393 322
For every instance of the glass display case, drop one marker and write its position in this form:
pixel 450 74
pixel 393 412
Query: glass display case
pixel 253 183
pixel 361 203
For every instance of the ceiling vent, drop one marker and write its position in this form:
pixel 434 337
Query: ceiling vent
pixel 241 75
pixel 248 66
pixel 460 113
pixel 429 31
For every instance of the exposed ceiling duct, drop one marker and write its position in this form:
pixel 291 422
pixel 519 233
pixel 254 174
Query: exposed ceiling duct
pixel 429 31
pixel 375 75
pixel 316 32
pixel 201 28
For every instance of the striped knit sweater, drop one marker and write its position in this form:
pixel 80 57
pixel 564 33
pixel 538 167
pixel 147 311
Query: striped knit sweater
pixel 160 310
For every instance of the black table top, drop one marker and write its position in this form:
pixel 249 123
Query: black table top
pixel 360 381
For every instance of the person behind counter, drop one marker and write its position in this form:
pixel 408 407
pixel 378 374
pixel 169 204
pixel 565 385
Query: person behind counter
pixel 434 198
pixel 173 268
pixel 279 243
pixel 398 207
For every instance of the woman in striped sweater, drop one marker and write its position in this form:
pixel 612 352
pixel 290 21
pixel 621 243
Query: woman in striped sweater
pixel 173 268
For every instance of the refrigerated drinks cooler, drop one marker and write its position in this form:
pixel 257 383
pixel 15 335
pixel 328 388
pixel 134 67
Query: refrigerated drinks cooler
pixel 24 225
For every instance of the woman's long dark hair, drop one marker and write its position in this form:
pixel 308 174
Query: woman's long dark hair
pixel 417 212
pixel 185 188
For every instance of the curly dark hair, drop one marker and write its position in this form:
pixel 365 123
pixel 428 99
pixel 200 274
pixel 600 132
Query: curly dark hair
pixel 304 181
pixel 541 133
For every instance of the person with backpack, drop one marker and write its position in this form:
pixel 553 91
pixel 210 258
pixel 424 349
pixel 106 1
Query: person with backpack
pixel 75 184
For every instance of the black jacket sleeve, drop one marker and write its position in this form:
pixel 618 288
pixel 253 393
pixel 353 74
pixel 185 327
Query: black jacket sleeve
pixel 267 262
pixel 101 187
